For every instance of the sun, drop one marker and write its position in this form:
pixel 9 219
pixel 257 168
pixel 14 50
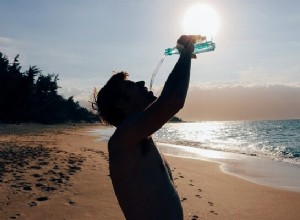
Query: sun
pixel 201 19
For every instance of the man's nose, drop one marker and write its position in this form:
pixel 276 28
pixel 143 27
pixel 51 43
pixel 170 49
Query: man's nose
pixel 141 83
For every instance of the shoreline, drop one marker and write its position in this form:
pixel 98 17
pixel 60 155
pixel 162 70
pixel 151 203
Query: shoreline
pixel 262 171
pixel 256 169
pixel 213 194
pixel 74 162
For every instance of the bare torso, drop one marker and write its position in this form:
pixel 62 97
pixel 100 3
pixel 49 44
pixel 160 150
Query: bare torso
pixel 142 182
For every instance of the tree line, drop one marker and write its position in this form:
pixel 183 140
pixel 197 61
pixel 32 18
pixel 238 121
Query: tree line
pixel 31 96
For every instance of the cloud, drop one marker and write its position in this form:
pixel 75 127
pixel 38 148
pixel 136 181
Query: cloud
pixel 11 47
pixel 219 100
pixel 5 40
pixel 8 46
pixel 83 94
pixel 242 102
pixel 259 75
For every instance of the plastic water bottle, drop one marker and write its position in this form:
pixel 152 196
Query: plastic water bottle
pixel 199 47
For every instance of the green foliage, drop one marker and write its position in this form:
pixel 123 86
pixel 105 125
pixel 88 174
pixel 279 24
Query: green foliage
pixel 31 96
pixel 176 119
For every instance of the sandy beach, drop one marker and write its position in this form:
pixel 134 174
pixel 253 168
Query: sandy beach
pixel 61 172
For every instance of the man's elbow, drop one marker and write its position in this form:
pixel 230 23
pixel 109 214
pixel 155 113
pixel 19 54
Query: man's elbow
pixel 172 104
pixel 176 104
pixel 180 104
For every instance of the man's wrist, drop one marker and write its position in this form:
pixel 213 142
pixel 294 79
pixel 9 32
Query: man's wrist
pixel 186 53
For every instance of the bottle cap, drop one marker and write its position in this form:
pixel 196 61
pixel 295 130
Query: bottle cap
pixel 200 38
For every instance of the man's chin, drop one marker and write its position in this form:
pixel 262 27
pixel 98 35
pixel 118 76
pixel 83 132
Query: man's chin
pixel 152 97
pixel 151 100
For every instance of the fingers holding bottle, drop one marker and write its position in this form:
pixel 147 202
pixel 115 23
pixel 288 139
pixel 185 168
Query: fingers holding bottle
pixel 185 44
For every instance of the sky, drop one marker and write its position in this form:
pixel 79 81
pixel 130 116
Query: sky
pixel 253 74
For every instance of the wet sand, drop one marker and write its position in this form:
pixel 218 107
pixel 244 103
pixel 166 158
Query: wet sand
pixel 61 172
pixel 260 170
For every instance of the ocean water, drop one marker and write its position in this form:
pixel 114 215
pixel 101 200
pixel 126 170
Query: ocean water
pixel 278 140
pixel 252 150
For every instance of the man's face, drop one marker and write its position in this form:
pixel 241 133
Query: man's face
pixel 138 96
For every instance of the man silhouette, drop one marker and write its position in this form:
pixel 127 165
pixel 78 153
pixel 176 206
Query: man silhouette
pixel 141 177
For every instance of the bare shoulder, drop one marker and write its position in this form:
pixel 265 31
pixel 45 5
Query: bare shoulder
pixel 121 138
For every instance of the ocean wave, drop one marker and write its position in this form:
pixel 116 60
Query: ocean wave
pixel 277 140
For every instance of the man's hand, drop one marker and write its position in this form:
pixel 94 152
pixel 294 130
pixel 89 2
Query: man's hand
pixel 186 44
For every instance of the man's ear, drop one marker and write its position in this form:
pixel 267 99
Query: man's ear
pixel 121 104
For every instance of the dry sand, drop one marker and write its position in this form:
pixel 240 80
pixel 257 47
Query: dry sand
pixel 61 172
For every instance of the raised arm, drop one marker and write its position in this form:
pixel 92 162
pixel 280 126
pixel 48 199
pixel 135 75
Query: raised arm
pixel 172 99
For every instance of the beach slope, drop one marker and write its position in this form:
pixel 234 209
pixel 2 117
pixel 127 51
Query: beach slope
pixel 61 172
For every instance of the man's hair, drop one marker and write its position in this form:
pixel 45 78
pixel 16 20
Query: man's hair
pixel 108 97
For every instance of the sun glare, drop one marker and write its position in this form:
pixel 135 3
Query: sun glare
pixel 201 19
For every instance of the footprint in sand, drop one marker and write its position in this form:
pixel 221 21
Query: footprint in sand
pixel 36 175
pixel 213 212
pixel 32 204
pixel 49 188
pixel 210 203
pixel 14 217
pixel 195 217
pixel 71 202
pixel 39 185
pixel 27 188
pixel 42 199
pixel 183 199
